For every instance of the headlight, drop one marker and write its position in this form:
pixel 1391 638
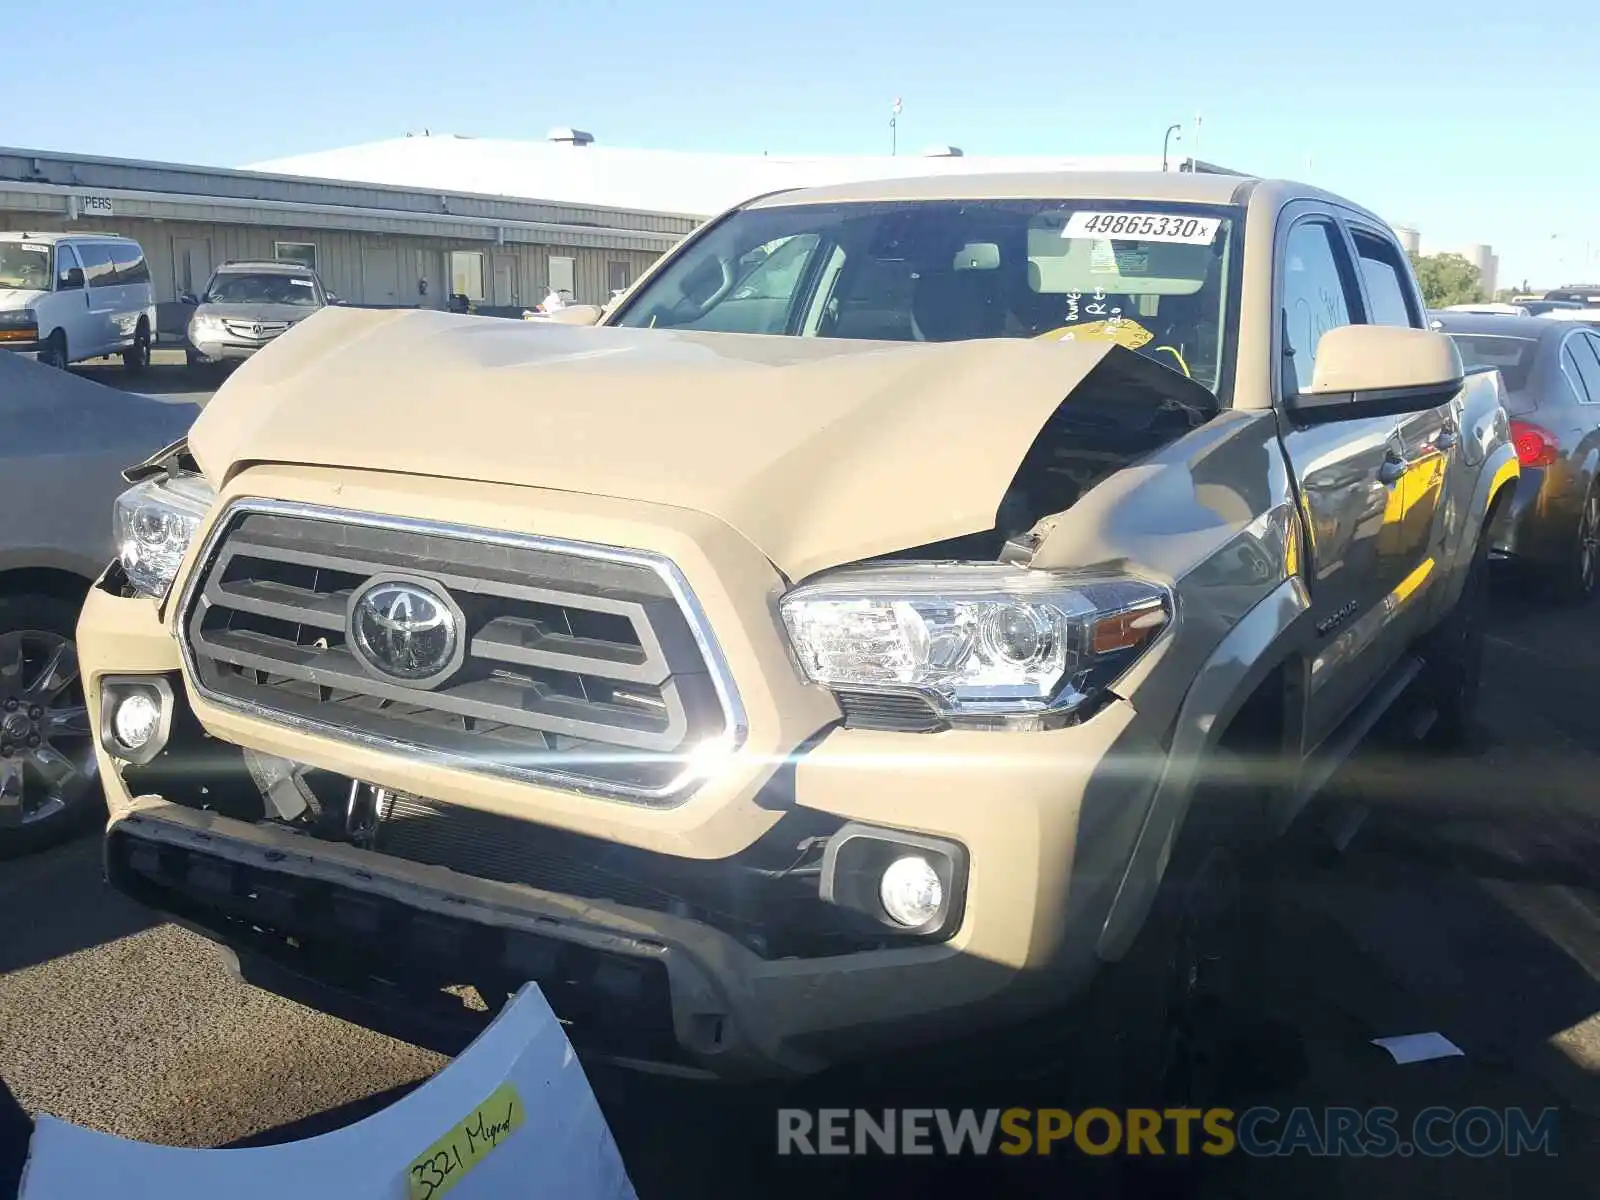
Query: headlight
pixel 18 318
pixel 154 523
pixel 982 644
pixel 206 325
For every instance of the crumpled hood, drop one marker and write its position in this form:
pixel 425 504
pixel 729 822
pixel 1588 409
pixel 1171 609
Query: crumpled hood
pixel 819 451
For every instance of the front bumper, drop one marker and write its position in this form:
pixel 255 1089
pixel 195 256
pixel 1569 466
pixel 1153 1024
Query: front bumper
pixel 226 351
pixel 1045 823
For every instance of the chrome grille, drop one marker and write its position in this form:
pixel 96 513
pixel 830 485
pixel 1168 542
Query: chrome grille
pixel 585 666
pixel 254 330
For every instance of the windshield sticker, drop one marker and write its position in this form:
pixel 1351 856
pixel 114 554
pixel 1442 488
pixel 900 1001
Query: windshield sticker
pixel 1120 330
pixel 1143 227
pixel 301 282
pixel 1102 258
pixel 36 248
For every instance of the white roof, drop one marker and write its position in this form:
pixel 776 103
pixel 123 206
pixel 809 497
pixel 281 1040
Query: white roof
pixel 655 181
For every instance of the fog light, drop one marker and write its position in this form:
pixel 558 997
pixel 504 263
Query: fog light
pixel 911 891
pixel 136 719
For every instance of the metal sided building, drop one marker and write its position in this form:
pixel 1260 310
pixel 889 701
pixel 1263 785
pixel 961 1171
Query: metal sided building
pixel 372 244
pixel 409 221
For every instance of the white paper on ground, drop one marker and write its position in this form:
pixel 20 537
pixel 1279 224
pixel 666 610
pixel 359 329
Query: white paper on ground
pixel 560 1145
pixel 1419 1047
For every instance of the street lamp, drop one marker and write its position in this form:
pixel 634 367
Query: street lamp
pixel 1167 141
pixel 894 116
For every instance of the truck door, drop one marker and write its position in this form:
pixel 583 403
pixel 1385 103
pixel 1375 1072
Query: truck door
pixel 1350 475
pixel 1429 445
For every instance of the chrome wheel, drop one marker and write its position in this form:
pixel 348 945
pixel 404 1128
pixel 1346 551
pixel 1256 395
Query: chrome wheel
pixel 47 763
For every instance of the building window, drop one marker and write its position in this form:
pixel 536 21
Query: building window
pixel 618 276
pixel 304 253
pixel 562 271
pixel 466 275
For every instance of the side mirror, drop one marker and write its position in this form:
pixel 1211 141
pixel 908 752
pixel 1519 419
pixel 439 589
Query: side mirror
pixel 189 298
pixel 72 280
pixel 577 314
pixel 1378 371
pixel 332 299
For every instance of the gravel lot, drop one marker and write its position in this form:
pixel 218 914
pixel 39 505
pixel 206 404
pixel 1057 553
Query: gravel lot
pixel 1466 904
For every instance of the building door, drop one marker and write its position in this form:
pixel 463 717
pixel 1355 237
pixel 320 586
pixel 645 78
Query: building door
pixel 380 276
pixel 191 264
pixel 505 279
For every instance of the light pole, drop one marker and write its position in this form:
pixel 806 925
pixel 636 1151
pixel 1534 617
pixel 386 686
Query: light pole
pixel 894 117
pixel 1167 141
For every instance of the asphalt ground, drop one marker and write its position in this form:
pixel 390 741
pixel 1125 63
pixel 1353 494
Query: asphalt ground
pixel 1468 903
pixel 167 378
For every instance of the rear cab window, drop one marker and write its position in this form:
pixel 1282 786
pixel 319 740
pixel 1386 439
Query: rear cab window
pixel 1390 300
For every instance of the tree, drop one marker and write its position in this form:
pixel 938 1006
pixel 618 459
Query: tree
pixel 1446 279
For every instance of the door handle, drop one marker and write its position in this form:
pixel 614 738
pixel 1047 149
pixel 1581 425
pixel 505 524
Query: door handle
pixel 1393 469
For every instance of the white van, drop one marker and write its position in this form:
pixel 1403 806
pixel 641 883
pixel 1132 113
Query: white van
pixel 72 296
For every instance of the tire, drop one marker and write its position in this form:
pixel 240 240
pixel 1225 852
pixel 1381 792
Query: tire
pixel 1575 581
pixel 1452 657
pixel 1172 1005
pixel 49 789
pixel 136 358
pixel 54 351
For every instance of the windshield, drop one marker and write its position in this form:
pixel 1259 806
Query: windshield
pixel 239 288
pixel 25 265
pixel 1152 277
pixel 1512 356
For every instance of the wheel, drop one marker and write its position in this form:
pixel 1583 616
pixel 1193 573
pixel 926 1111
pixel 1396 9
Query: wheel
pixel 137 357
pixel 54 351
pixel 1171 1005
pixel 1575 581
pixel 1452 657
pixel 48 777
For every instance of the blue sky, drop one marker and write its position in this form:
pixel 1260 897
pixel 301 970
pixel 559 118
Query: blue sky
pixel 1472 121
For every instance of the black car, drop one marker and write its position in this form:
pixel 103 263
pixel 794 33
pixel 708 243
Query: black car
pixel 1551 370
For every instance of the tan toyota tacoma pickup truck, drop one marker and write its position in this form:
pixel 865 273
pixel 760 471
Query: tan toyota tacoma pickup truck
pixel 853 642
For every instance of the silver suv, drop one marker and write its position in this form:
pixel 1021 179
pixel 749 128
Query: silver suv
pixel 245 305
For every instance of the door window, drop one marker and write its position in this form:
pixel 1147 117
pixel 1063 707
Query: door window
pixel 66 263
pixel 1388 295
pixel 97 268
pixel 128 263
pixel 1316 296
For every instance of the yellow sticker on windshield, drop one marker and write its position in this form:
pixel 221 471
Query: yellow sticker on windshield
pixel 440 1167
pixel 1123 332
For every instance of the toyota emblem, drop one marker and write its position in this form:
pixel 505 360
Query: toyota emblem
pixel 406 630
